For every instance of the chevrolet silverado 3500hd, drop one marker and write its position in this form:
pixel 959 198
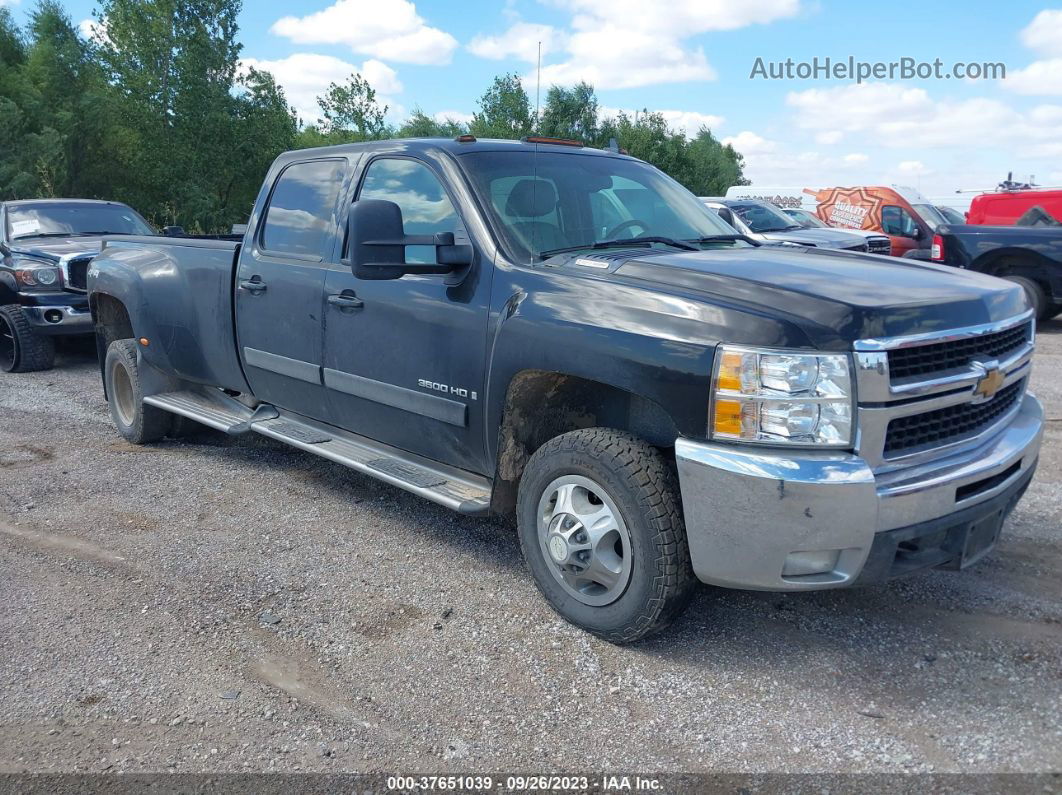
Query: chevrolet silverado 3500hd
pixel 539 328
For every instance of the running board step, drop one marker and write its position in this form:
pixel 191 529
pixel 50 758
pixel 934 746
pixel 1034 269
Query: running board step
pixel 455 488
pixel 212 408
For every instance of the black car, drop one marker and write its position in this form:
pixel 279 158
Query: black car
pixel 46 246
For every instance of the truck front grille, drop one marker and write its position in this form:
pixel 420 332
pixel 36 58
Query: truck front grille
pixel 77 273
pixel 879 245
pixel 940 357
pixel 950 424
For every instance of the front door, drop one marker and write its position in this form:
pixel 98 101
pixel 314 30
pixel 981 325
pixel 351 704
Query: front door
pixel 404 359
pixel 280 286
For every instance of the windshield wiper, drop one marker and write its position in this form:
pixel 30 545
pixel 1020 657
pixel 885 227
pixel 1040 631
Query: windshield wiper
pixel 724 239
pixel 620 243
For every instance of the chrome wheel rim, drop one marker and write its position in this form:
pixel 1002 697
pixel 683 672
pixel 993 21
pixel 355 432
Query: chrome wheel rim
pixel 584 540
pixel 122 394
pixel 7 345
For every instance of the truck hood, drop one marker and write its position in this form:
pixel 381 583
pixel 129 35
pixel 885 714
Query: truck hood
pixel 833 297
pixel 823 238
pixel 53 249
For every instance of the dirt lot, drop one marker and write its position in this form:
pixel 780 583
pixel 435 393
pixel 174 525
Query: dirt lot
pixel 232 605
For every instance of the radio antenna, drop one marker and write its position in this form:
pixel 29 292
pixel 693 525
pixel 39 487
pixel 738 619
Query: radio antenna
pixel 538 85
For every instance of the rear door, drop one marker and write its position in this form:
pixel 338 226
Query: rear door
pixel 280 287
pixel 404 359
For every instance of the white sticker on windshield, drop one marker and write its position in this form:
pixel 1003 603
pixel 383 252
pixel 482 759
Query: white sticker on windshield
pixel 29 227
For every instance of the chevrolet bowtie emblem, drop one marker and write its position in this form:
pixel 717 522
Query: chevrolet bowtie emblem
pixel 989 384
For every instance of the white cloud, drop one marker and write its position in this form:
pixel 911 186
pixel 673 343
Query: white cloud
pixel 1043 77
pixel 688 122
pixel 386 29
pixel 829 137
pixel 891 115
pixel 913 167
pixel 91 29
pixel 1039 77
pixel 1044 33
pixel 750 144
pixel 630 43
pixel 855 157
pixel 305 76
pixel 519 41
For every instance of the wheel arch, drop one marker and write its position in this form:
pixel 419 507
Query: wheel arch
pixel 540 405
pixel 111 319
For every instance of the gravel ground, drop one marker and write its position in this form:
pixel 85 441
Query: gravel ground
pixel 228 604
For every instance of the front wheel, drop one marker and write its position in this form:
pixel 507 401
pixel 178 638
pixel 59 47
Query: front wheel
pixel 601 530
pixel 22 350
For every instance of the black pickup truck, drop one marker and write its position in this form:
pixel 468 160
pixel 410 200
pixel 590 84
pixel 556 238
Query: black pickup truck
pixel 566 334
pixel 45 248
pixel 1027 255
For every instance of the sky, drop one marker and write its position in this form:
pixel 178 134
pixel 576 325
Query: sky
pixel 693 61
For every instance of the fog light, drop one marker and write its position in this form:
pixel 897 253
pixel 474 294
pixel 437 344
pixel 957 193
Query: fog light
pixel 802 563
pixel 53 316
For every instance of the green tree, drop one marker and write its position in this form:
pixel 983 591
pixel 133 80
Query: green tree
pixel 421 125
pixel 350 112
pixel 174 64
pixel 504 110
pixel 570 113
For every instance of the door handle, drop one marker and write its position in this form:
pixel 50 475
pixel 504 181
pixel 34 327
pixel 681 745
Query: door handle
pixel 254 285
pixel 346 300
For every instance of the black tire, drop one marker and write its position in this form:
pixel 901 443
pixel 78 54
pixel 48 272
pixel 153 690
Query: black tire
pixel 22 350
pixel 135 421
pixel 1036 295
pixel 638 480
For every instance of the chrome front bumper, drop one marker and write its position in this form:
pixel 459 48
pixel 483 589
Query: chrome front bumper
pixel 59 319
pixel 748 511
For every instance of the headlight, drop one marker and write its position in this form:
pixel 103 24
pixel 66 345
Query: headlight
pixel 781 397
pixel 37 277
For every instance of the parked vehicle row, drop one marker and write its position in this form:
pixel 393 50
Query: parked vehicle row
pixel 567 335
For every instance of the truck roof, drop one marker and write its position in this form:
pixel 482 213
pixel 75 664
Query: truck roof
pixel 461 145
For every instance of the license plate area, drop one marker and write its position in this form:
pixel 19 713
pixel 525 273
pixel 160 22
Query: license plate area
pixel 980 537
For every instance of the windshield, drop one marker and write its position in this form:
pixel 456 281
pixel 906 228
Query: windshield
pixel 930 214
pixel 806 219
pixel 556 200
pixel 35 220
pixel 763 217
pixel 951 215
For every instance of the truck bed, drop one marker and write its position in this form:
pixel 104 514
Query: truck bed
pixel 188 285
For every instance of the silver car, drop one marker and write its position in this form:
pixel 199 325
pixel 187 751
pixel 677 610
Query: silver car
pixel 768 224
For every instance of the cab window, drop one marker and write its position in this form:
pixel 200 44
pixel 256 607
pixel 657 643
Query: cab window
pixel 299 219
pixel 426 207
pixel 897 221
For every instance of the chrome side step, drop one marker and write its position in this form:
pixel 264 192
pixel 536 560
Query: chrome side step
pixel 455 488
pixel 212 408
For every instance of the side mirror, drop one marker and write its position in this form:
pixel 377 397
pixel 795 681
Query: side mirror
pixel 377 241
pixel 173 231
pixel 917 234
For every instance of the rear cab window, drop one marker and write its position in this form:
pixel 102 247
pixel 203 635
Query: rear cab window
pixel 300 217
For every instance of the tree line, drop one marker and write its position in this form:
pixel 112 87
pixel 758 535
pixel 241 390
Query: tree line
pixel 155 111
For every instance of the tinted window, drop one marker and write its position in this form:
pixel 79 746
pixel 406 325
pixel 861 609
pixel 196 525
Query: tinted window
pixel 34 220
pixel 299 217
pixel 426 209
pixel 763 217
pixel 897 221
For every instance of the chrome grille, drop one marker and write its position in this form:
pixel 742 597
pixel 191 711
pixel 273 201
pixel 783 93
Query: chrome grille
pixel 75 272
pixel 950 424
pixel 940 357
pixel 919 394
pixel 879 245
